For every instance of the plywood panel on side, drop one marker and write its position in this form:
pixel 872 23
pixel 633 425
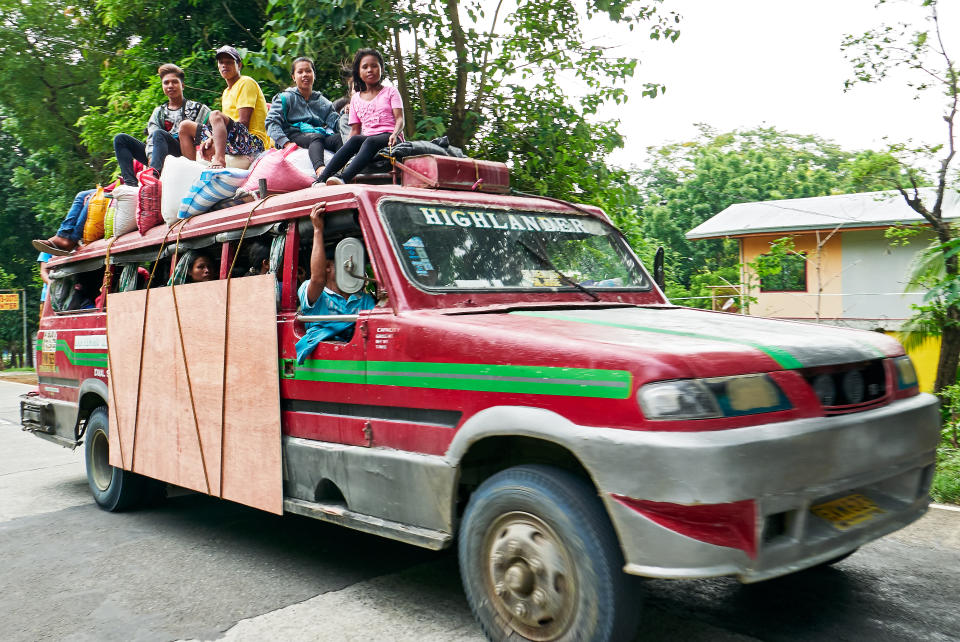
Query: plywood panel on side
pixel 184 407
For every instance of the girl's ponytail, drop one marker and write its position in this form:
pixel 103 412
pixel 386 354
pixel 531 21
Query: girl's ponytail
pixel 359 85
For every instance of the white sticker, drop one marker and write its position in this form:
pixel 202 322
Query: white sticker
pixel 51 389
pixel 49 341
pixel 90 342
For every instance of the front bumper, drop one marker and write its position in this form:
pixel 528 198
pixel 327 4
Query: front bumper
pixel 886 454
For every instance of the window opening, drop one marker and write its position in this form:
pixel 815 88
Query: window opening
pixel 792 276
pixel 77 291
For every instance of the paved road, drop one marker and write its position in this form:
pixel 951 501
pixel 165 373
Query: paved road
pixel 198 568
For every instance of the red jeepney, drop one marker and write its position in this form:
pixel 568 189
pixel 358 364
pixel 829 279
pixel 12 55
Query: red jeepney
pixel 522 387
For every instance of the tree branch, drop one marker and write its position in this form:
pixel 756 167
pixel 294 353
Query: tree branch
pixel 484 70
pixel 949 118
pixel 238 23
pixel 456 132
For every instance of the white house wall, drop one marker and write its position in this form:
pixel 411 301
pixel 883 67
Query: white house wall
pixel 874 277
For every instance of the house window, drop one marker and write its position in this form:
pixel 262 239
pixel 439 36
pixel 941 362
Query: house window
pixel 792 276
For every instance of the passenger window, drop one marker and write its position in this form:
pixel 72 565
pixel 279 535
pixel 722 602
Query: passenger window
pixel 260 255
pixel 338 226
pixel 134 276
pixel 73 292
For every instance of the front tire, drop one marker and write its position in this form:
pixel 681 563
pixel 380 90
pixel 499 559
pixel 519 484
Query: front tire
pixel 539 560
pixel 114 489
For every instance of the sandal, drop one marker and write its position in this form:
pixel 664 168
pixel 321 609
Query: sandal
pixel 47 246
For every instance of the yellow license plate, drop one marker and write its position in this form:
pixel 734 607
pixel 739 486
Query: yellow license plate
pixel 848 511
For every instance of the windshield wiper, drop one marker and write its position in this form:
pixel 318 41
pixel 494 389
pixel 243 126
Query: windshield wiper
pixel 563 277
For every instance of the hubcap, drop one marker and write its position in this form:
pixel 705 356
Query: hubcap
pixel 100 460
pixel 530 576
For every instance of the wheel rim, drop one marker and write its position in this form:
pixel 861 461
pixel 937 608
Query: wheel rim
pixel 530 576
pixel 100 460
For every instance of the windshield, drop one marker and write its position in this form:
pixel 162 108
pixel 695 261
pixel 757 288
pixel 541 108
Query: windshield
pixel 450 247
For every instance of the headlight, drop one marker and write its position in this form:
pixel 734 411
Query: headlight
pixel 682 399
pixel 708 398
pixel 906 375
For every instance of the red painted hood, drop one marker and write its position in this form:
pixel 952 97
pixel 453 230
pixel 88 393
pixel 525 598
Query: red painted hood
pixel 670 342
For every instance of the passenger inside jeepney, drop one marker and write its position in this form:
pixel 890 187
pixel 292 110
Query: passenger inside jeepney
pixel 320 295
pixel 257 257
pixel 77 292
pixel 194 266
pixel 201 268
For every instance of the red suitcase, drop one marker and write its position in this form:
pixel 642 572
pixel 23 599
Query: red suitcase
pixel 446 172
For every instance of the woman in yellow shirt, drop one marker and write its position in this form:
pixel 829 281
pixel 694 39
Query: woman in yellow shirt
pixel 239 127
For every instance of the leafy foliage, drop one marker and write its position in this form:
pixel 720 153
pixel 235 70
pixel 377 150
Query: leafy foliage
pixel 128 80
pixel 687 183
pixel 946 480
pixel 488 76
pixel 921 51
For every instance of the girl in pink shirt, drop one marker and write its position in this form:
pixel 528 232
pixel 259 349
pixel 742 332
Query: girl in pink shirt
pixel 376 119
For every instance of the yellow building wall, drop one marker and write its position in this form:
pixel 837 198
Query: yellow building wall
pixel 824 271
pixel 803 305
pixel 925 359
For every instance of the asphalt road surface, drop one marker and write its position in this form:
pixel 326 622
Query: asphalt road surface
pixel 198 568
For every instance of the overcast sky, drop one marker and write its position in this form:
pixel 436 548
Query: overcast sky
pixel 743 63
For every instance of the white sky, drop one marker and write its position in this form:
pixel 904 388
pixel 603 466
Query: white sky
pixel 743 63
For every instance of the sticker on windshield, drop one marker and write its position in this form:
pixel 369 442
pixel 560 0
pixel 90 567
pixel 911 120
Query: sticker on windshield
pixel 417 256
pixel 542 278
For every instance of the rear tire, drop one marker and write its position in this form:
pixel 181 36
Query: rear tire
pixel 539 560
pixel 114 489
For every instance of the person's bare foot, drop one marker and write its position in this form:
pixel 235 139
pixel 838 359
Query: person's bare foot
pixel 56 245
pixel 218 163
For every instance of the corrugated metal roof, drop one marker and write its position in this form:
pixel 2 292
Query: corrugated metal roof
pixel 871 209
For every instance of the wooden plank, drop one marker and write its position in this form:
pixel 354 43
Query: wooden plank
pixel 169 428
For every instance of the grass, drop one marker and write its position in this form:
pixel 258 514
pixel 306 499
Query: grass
pixel 946 481
pixel 17 370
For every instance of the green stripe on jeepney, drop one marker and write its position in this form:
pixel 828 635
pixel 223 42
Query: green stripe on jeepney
pixel 87 359
pixel 781 356
pixel 534 380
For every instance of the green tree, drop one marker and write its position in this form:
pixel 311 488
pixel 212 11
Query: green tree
pixel 184 32
pixel 18 266
pixel 50 57
pixel 919 48
pixel 686 183
pixel 75 74
pixel 490 77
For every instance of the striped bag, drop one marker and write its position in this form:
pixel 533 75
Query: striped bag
pixel 213 186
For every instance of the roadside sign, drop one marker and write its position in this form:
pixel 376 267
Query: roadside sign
pixel 10 301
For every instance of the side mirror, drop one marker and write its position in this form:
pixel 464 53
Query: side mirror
pixel 658 277
pixel 349 260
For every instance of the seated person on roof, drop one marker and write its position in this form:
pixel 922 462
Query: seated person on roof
pixel 161 141
pixel 71 229
pixel 303 117
pixel 320 295
pixel 238 128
